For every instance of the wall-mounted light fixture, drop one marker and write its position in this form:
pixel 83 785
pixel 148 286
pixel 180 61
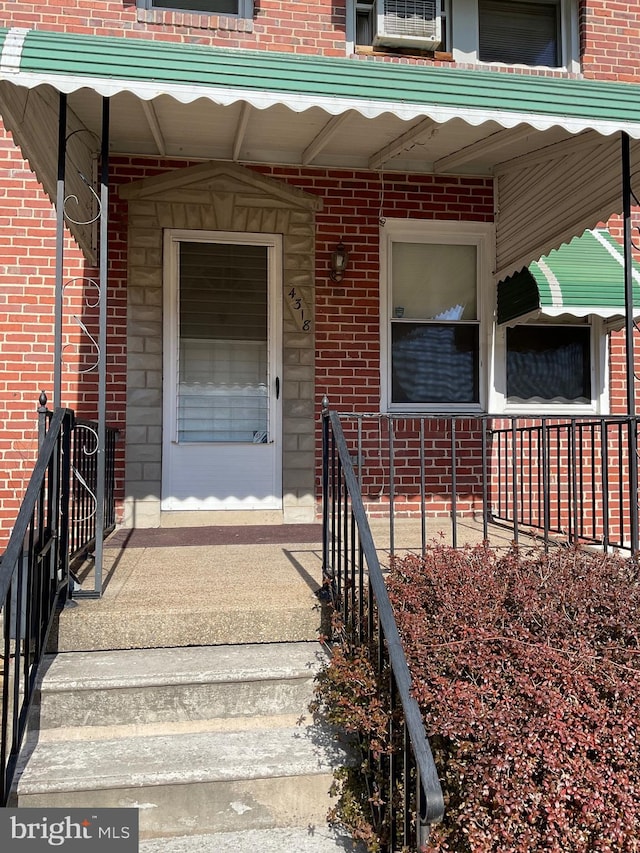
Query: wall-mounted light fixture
pixel 339 260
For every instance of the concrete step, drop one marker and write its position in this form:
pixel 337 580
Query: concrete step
pixel 307 839
pixel 203 741
pixel 138 687
pixel 190 783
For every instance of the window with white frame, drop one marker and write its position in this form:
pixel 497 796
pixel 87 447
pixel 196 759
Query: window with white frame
pixel 551 367
pixel 533 33
pixel 546 364
pixel 519 32
pixel 434 284
pixel 241 8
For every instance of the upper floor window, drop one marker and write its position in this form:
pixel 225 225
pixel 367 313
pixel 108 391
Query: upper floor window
pixel 528 33
pixel 241 8
pixel 520 33
pixel 533 33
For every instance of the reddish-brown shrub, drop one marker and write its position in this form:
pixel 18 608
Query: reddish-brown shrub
pixel 527 668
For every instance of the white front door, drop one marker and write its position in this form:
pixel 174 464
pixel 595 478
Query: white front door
pixel 222 360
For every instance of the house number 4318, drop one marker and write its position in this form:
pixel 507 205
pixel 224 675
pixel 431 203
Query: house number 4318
pixel 301 313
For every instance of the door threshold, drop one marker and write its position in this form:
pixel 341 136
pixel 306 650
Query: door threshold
pixel 211 518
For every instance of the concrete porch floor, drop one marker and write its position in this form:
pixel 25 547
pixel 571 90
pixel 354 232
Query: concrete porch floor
pixel 222 584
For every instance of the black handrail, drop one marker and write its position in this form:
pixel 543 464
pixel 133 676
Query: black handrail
pixel 34 579
pixel 348 547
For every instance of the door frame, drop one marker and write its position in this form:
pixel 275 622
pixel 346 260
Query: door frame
pixel 170 357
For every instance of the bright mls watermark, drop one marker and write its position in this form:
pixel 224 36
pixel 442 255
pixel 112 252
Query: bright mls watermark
pixel 70 830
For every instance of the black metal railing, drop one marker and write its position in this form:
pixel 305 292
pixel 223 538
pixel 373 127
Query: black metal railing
pixel 34 579
pixel 84 481
pixel 569 478
pixel 353 574
pixel 558 477
pixel 84 454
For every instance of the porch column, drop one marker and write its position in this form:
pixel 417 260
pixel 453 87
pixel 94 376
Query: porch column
pixel 102 346
pixel 59 284
pixel 629 333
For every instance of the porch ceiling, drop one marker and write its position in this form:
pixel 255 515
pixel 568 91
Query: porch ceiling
pixel 552 144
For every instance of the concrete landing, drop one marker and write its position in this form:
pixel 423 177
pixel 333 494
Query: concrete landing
pixel 223 584
pixel 201 586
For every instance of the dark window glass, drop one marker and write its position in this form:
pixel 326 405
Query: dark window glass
pixel 549 363
pixel 435 363
pixel 519 33
pixel 365 23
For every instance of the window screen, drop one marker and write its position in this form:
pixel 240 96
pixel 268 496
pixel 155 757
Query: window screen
pixel 519 33
pixel 223 368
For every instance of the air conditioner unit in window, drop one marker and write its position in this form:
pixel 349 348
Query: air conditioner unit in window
pixel 409 23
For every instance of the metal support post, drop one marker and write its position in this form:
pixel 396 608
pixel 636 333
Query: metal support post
pixel 102 336
pixel 62 156
pixel 629 334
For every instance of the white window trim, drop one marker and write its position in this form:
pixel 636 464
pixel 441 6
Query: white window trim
pixel 464 36
pixel 599 405
pixel 478 234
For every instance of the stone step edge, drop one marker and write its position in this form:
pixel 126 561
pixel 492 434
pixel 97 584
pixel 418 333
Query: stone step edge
pixel 250 722
pixel 51 682
pixel 203 757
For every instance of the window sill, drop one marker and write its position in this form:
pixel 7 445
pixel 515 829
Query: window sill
pixel 534 70
pixel 436 55
pixel 565 410
pixel 471 410
pixel 195 20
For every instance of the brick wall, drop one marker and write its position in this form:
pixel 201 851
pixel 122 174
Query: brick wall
pixel 291 27
pixel 610 40
pixel 27 287
pixel 27 271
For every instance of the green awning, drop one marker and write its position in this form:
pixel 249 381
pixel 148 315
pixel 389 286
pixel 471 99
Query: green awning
pixel 583 277
pixel 148 69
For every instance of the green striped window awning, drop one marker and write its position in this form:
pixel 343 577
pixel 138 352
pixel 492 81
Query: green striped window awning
pixel 581 278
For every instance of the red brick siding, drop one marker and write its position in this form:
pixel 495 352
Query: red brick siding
pixel 27 286
pixel 610 40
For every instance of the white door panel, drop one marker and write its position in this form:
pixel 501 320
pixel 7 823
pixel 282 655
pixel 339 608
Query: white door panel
pixel 222 345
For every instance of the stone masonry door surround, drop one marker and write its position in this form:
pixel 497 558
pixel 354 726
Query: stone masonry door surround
pixel 216 197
